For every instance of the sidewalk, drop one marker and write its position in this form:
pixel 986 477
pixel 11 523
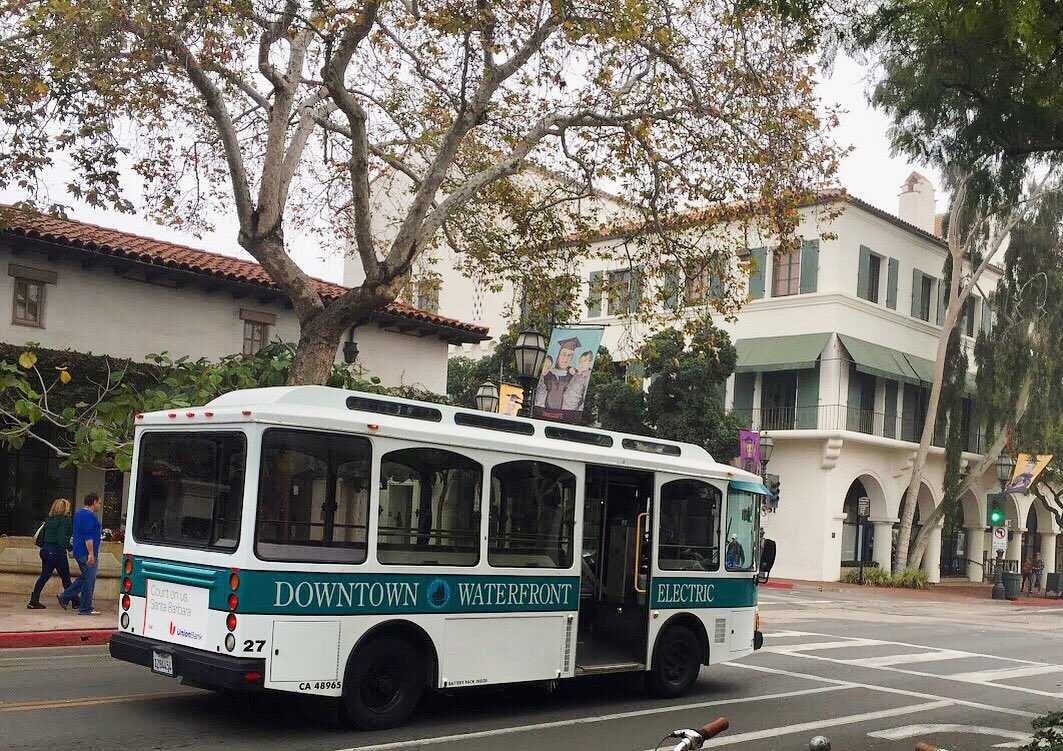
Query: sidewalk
pixel 946 592
pixel 53 626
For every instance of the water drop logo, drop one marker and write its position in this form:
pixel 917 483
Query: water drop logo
pixel 438 594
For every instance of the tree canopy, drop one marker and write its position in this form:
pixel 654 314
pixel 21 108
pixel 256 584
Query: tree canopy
pixel 973 84
pixel 388 128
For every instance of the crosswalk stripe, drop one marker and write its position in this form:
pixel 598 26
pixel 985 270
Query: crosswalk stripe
pixel 906 659
pixel 1005 673
pixel 816 646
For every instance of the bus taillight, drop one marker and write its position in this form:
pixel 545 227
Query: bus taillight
pixel 230 621
pixel 233 601
pixel 128 565
pixel 125 602
pixel 234 580
pixel 252 676
pixel 127 584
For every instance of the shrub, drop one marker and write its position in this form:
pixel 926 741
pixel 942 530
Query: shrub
pixel 911 578
pixel 1047 733
pixel 873 577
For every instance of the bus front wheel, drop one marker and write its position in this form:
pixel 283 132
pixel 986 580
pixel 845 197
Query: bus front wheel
pixel 384 682
pixel 676 663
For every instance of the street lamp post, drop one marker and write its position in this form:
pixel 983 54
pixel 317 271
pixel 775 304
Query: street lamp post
pixel 529 354
pixel 1005 466
pixel 487 397
pixel 767 445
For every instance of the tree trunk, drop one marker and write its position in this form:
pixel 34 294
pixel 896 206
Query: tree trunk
pixel 1022 402
pixel 315 354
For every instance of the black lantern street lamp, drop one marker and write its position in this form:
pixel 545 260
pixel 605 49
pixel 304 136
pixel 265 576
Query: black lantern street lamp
pixel 487 397
pixel 529 354
pixel 1005 466
pixel 767 445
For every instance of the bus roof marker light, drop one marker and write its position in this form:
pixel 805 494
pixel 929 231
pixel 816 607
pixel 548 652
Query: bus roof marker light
pixel 172 415
pixel 246 413
pixel 190 414
pixel 208 414
pixel 372 427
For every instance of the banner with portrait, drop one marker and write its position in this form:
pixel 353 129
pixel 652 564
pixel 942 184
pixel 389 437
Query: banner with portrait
pixel 510 399
pixel 562 390
pixel 1027 468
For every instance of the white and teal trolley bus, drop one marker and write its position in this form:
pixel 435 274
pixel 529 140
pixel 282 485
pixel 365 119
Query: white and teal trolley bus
pixel 331 542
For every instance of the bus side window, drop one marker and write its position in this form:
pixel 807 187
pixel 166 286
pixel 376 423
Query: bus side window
pixel 690 526
pixel 429 508
pixel 313 499
pixel 532 515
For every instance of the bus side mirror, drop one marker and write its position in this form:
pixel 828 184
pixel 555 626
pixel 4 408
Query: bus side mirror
pixel 767 560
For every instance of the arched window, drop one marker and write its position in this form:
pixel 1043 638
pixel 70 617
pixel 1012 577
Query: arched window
pixel 532 515
pixel 429 508
pixel 690 526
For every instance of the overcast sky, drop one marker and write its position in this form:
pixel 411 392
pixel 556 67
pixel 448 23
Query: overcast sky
pixel 868 172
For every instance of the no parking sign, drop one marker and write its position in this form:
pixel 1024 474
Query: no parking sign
pixel 1000 539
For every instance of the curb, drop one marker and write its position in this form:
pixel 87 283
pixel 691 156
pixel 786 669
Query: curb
pixel 783 584
pixel 1039 603
pixel 56 638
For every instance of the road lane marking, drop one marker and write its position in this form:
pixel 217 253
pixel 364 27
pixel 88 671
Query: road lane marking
pixel 919 731
pixel 882 662
pixel 591 720
pixel 786 634
pixel 981 676
pixel 886 689
pixel 804 727
pixel 816 646
pixel 89 701
pixel 926 646
pixel 942 676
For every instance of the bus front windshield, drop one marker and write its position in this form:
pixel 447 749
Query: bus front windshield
pixel 743 510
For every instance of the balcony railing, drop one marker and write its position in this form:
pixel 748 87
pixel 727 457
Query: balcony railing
pixel 844 417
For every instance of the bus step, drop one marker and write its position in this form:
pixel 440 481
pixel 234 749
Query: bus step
pixel 617 667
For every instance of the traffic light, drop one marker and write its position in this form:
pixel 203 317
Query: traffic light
pixel 773 484
pixel 995 510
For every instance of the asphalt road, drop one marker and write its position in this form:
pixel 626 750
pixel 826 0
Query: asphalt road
pixel 870 671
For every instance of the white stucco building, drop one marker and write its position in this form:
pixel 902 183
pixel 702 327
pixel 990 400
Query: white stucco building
pixel 89 289
pixel 835 345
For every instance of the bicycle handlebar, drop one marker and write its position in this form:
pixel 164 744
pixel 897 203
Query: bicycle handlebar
pixel 714 728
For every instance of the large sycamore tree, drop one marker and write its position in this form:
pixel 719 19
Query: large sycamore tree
pixel 295 117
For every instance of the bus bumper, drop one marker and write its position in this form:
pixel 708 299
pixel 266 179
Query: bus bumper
pixel 192 666
pixel 758 640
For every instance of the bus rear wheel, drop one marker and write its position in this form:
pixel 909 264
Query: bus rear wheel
pixel 676 663
pixel 383 684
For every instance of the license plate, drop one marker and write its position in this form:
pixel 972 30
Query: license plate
pixel 162 662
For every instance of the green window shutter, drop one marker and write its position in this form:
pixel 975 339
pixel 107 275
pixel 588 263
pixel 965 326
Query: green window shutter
pixel 808 398
pixel 594 295
pixel 743 397
pixel 809 265
pixel 889 427
pixel 852 412
pixel 635 291
pixel 671 289
pixel 891 283
pixel 917 293
pixel 756 275
pixel 863 274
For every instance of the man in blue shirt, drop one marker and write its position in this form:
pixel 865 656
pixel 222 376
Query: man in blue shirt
pixel 86 549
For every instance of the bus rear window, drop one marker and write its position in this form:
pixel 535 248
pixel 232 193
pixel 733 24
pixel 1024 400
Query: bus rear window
pixel 190 489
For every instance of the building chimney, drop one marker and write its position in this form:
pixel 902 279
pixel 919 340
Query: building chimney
pixel 917 205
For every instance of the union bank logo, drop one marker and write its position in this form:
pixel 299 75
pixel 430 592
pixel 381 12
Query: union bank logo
pixel 438 594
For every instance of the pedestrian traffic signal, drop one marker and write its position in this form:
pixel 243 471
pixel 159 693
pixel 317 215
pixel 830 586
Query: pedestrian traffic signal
pixel 995 511
pixel 773 484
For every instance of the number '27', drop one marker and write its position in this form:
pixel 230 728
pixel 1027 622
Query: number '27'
pixel 254 645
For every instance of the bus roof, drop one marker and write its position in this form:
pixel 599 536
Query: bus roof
pixel 375 414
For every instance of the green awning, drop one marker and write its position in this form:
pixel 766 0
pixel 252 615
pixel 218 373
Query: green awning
pixel 924 369
pixel 749 487
pixel 797 352
pixel 876 360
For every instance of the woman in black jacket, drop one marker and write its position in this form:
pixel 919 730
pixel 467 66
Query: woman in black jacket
pixel 54 540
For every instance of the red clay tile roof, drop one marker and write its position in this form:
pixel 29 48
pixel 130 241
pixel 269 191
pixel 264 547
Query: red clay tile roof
pixel 92 237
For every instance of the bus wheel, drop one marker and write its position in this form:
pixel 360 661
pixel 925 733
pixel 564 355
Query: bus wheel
pixel 384 682
pixel 676 663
